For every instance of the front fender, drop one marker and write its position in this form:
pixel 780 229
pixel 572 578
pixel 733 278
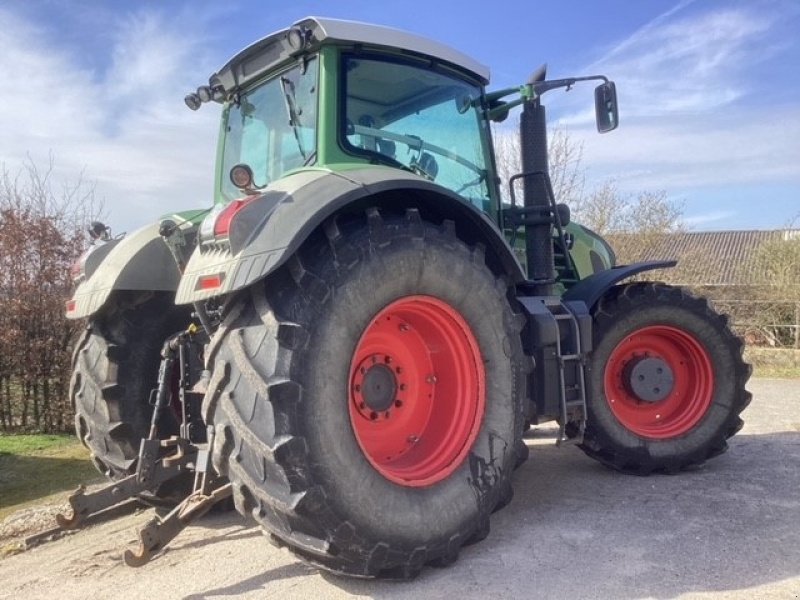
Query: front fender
pixel 268 231
pixel 591 289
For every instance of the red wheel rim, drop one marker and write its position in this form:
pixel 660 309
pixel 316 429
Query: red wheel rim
pixel 416 391
pixel 683 404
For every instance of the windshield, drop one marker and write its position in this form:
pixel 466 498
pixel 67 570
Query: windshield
pixel 419 119
pixel 272 128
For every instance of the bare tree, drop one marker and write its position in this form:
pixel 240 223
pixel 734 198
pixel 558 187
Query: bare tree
pixel 564 156
pixel 776 271
pixel 40 237
pixel 604 209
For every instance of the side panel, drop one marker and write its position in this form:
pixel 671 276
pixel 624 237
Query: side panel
pixel 590 252
pixel 296 205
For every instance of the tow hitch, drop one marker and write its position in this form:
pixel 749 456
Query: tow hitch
pixel 206 492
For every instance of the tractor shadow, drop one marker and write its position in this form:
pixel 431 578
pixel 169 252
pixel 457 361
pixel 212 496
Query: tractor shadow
pixel 257 582
pixel 577 529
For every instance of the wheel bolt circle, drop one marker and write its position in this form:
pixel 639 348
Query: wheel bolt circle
pixel 375 385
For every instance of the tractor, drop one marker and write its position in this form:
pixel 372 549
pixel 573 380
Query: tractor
pixel 353 340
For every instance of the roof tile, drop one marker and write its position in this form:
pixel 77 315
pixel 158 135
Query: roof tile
pixel 704 257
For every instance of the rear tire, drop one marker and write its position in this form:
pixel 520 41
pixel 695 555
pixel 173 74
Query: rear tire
pixel 666 381
pixel 286 363
pixel 115 365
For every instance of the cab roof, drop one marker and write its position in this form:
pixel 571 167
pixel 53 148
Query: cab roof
pixel 259 57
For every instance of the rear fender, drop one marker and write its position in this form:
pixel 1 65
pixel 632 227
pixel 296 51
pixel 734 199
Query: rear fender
pixel 270 229
pixel 139 261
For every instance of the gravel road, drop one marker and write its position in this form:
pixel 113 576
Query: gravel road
pixel 574 530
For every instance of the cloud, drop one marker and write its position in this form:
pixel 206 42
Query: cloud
pixel 698 150
pixel 125 126
pixel 707 218
pixel 693 114
pixel 690 62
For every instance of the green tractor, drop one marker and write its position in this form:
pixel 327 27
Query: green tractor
pixel 353 341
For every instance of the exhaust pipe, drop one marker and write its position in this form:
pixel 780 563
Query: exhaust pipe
pixel 539 225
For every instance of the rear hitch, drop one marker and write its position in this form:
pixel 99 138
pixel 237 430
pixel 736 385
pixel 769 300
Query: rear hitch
pixel 150 474
pixel 155 536
pixel 160 461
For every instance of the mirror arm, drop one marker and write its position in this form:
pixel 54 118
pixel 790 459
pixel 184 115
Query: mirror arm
pixel 530 92
pixel 496 95
pixel 545 86
pixel 500 112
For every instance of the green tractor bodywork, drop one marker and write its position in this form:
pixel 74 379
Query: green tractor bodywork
pixel 348 118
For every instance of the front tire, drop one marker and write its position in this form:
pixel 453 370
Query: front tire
pixel 317 449
pixel 666 381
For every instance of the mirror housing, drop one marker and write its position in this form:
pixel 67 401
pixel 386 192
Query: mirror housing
pixel 605 107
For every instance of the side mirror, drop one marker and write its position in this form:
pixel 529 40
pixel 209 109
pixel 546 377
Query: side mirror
pixel 605 107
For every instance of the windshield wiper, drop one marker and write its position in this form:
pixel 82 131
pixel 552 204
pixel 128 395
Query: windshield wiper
pixel 291 109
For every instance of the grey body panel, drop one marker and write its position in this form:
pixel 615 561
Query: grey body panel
pixel 96 255
pixel 260 57
pixel 296 205
pixel 139 261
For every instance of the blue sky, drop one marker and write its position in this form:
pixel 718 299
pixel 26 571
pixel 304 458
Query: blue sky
pixel 709 91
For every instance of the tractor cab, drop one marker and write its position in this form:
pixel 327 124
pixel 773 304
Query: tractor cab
pixel 326 94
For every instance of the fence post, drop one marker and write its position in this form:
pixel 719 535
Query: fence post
pixel 797 325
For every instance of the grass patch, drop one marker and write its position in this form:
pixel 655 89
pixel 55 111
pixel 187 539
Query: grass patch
pixel 781 363
pixel 31 444
pixel 33 467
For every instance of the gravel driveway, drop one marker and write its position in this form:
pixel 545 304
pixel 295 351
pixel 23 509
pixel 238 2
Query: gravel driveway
pixel 573 530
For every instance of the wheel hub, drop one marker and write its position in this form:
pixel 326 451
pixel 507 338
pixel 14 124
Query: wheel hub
pixel 379 387
pixel 650 379
pixel 659 382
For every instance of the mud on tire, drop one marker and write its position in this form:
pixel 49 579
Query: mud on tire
pixel 114 367
pixel 692 423
pixel 279 399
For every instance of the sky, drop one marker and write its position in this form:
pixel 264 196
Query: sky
pixel 709 91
